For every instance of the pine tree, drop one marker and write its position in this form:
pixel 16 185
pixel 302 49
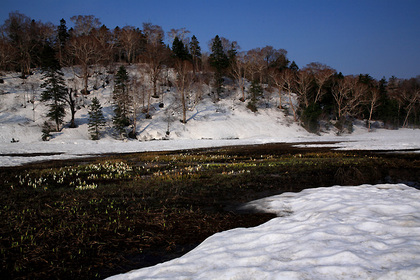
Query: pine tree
pixel 256 92
pixel 180 51
pixel 219 61
pixel 62 38
pixel 122 100
pixel 46 131
pixel 55 93
pixel 96 119
pixel 195 52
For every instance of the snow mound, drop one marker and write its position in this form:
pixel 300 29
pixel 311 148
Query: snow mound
pixel 360 232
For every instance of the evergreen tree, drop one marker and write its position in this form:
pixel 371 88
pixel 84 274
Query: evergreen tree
pixel 180 51
pixel 256 92
pixel 219 61
pixel 96 119
pixel 55 93
pixel 232 52
pixel 46 131
pixel 62 38
pixel 122 100
pixel 195 52
pixel 293 66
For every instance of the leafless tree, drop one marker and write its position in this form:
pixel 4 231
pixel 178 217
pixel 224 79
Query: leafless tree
pixel 410 93
pixel 7 55
pixel 321 74
pixel 348 95
pixel 238 70
pixel 137 91
pixel 130 39
pixel 83 25
pixel 25 38
pixel 183 82
pixel 155 55
pixel 85 50
pixel 256 64
pixel 181 33
pixel 373 101
pixel 287 79
pixel 303 85
pixel 277 79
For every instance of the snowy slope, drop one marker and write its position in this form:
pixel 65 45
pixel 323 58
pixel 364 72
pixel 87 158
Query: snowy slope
pixel 227 122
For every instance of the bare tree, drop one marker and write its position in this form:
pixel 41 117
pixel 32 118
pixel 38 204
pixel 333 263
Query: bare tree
pixel 130 39
pixel 27 38
pixel 83 25
pixel 183 82
pixel 410 93
pixel 181 33
pixel 321 74
pixel 85 50
pixel 277 79
pixel 7 55
pixel 348 94
pixel 341 92
pixel 238 70
pixel 155 55
pixel 303 85
pixel 373 101
pixel 85 45
pixel 137 90
pixel 287 79
pixel 105 45
pixel 256 64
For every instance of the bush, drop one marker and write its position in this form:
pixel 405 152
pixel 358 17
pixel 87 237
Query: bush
pixel 344 124
pixel 252 106
pixel 46 132
pixel 310 117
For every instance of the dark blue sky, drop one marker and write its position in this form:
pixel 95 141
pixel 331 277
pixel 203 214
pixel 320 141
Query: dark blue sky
pixel 380 38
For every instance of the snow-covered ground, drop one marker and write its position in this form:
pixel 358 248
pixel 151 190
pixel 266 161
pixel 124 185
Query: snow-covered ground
pixel 360 232
pixel 210 124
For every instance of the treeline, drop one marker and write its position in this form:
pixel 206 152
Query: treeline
pixel 323 94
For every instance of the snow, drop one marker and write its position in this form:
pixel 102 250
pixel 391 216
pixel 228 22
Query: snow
pixel 362 232
pixel 210 124
pixel 359 232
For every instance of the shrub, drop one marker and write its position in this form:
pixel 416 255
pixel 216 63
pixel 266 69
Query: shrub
pixel 310 117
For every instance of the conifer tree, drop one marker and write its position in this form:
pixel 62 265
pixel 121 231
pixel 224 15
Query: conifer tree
pixel 122 100
pixel 46 131
pixel 219 61
pixel 179 50
pixel 55 94
pixel 96 119
pixel 62 38
pixel 195 52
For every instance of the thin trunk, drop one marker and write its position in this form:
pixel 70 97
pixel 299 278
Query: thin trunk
pixel 184 107
pixel 280 100
pixel 291 105
pixel 370 114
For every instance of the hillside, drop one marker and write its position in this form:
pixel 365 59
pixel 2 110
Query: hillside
pixel 223 123
pixel 226 119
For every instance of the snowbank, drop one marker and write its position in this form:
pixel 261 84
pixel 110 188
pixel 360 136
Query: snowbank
pixel 361 232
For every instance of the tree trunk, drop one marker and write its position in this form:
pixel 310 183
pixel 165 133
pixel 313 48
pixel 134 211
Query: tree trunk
pixel 293 107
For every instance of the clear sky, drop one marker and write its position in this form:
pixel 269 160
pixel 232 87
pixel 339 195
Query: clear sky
pixel 376 37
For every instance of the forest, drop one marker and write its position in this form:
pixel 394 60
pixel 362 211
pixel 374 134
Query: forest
pixel 316 93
